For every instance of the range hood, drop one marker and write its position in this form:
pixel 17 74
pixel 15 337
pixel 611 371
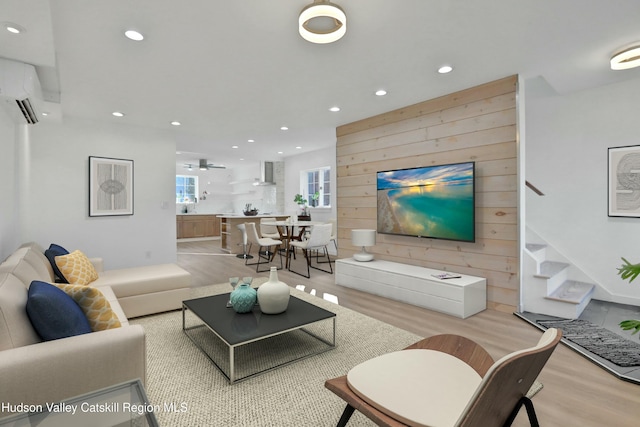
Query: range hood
pixel 266 174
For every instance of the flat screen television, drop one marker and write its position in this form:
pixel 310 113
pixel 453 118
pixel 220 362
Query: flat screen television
pixel 437 202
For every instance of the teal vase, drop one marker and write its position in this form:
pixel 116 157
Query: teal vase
pixel 243 298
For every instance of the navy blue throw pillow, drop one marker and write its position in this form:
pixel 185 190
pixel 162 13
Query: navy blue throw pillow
pixel 53 313
pixel 51 254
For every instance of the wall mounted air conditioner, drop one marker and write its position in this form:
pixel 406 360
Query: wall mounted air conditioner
pixel 20 90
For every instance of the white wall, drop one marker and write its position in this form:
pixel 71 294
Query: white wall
pixel 230 190
pixel 262 197
pixel 313 160
pixel 9 240
pixel 216 183
pixel 56 206
pixel 566 158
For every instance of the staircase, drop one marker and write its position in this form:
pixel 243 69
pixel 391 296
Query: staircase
pixel 551 284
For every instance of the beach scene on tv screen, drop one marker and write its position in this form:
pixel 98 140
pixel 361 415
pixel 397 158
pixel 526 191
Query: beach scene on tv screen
pixel 436 201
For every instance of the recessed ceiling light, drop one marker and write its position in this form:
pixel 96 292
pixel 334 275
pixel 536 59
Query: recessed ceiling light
pixel 445 69
pixel 251 140
pixel 334 109
pixel 234 146
pixel 175 123
pixel 118 114
pixel 284 128
pixel 134 35
pixel 280 152
pixel 44 113
pixel 14 28
pixel 298 148
pixel 381 92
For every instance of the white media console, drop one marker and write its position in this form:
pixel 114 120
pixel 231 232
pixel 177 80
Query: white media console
pixel 461 297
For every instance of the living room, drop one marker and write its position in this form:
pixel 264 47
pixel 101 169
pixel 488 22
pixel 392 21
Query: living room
pixel 563 137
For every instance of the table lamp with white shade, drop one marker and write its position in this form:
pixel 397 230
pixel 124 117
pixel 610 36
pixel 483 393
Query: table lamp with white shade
pixel 364 238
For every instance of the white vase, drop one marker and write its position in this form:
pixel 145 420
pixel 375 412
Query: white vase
pixel 273 295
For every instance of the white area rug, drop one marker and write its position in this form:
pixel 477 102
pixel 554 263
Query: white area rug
pixel 179 373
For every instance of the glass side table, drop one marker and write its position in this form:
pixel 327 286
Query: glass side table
pixel 121 405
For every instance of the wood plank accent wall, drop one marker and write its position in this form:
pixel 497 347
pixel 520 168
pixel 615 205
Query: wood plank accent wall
pixel 477 124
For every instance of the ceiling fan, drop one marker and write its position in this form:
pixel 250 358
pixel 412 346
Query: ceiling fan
pixel 203 165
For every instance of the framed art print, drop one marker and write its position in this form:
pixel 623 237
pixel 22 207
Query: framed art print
pixel 624 181
pixel 110 186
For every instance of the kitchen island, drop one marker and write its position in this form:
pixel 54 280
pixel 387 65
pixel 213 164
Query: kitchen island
pixel 193 225
pixel 231 236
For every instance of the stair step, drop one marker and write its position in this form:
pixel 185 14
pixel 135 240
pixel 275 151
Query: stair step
pixel 535 247
pixel 572 292
pixel 548 269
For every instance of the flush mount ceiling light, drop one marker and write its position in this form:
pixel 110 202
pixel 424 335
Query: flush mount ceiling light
pixel 628 58
pixel 322 22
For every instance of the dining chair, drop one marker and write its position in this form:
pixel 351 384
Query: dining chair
pixel 269 230
pixel 318 240
pixel 445 380
pixel 334 232
pixel 267 247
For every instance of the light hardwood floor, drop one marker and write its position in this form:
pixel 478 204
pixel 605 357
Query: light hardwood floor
pixel 576 392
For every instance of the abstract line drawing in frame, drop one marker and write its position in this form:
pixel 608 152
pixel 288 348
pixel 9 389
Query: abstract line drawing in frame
pixel 110 186
pixel 624 181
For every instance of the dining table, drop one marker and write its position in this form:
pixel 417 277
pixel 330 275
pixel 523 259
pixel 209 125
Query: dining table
pixel 287 228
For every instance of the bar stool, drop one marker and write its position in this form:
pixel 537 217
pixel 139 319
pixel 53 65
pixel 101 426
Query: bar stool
pixel 244 254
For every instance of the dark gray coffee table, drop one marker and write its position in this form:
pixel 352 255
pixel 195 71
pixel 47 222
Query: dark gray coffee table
pixel 244 345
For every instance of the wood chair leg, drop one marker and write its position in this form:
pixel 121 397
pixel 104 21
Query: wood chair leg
pixel 346 415
pixel 276 250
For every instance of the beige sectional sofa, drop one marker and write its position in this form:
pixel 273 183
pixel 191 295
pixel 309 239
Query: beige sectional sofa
pixel 36 372
pixel 145 290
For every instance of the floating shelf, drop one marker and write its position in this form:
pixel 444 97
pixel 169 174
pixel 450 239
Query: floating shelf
pixel 244 181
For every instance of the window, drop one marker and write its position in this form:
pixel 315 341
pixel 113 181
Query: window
pixel 186 188
pixel 315 185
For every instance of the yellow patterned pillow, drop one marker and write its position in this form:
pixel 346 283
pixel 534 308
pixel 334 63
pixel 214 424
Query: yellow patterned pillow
pixel 94 305
pixel 76 268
